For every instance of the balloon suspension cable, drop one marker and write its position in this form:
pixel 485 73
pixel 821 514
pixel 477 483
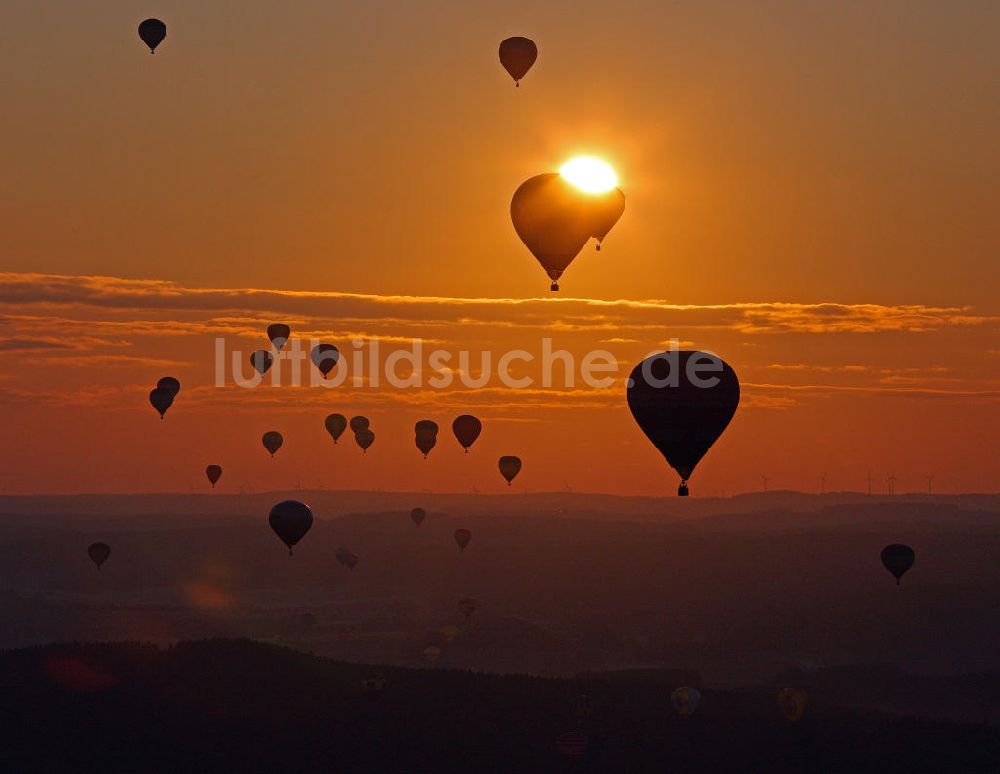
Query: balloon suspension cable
pixel 289 550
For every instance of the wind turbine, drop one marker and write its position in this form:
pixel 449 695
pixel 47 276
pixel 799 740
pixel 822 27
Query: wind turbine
pixel 822 484
pixel 929 480
pixel 765 479
pixel 891 479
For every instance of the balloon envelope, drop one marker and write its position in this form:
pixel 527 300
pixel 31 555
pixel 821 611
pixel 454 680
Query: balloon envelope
pixel 290 521
pixel 685 700
pixel 98 553
pixel 214 473
pixel 418 515
pixel 462 537
pixel 792 702
pixel 152 32
pixel 466 429
pixel 364 439
pixel 169 384
pixel 467 606
pixel 278 334
pixel 683 401
pixel 325 357
pixel 161 400
pixel 517 55
pixel 898 559
pixel 358 424
pixel 272 441
pixel 431 654
pixel 335 425
pixel 509 468
pixel 261 360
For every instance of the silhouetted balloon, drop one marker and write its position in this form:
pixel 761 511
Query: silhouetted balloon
pixel 418 515
pixel 426 435
pixel 358 424
pixel 572 744
pixel 278 334
pixel 462 537
pixel 152 32
pixel 583 706
pixel 898 558
pixel 272 441
pixel 325 357
pixel 335 425
pixel 99 553
pixel 607 210
pixel 431 654
pixel 466 429
pixel 450 632
pixel 685 700
pixel 517 55
pixel 170 384
pixel 364 439
pixel 792 702
pixel 214 473
pixel 467 606
pixel 347 558
pixel 509 468
pixel 261 360
pixel 374 684
pixel 425 427
pixel 161 400
pixel 683 401
pixel 290 521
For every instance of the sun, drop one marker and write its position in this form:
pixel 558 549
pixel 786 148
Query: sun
pixel 589 174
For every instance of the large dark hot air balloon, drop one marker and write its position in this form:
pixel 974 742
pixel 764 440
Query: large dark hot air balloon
pixel 517 55
pixel 418 515
pixel 161 400
pixel 98 553
pixel 261 360
pixel 335 425
pixel 278 334
pixel 359 423
pixel 214 473
pixel 466 429
pixel 425 432
pixel 272 441
pixel 462 537
pixel 898 559
pixel 169 384
pixel 509 468
pixel 152 32
pixel 683 401
pixel 290 521
pixel 325 357
pixel 364 439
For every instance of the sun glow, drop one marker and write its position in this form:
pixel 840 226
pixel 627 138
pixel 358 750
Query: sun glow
pixel 589 174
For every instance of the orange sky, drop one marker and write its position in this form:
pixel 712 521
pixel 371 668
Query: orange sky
pixel 812 194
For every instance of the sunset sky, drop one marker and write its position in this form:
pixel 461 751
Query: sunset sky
pixel 813 193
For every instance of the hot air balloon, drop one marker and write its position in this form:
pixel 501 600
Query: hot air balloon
pixel 364 439
pixel 374 684
pixel 572 744
pixel 607 210
pixel 683 401
pixel 583 706
pixel 792 702
pixel 335 425
pixel 898 558
pixel 509 468
pixel 418 515
pixel 517 55
pixel 325 357
pixel 161 400
pixel 278 334
pixel 431 654
pixel 685 700
pixel 466 429
pixel 347 558
pixel 261 360
pixel 462 537
pixel 214 473
pixel 358 424
pixel 467 606
pixel 169 384
pixel 449 632
pixel 98 553
pixel 272 441
pixel 426 436
pixel 290 521
pixel 152 32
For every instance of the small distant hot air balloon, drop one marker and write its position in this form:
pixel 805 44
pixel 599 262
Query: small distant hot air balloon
pixel 683 401
pixel 359 423
pixel 462 537
pixel 572 744
pixel 898 559
pixel 261 360
pixel 161 400
pixel 418 515
pixel 509 468
pixel 335 425
pixel 449 632
pixel 170 384
pixel 517 55
pixel 364 439
pixel 583 706
pixel 99 553
pixel 467 606
pixel 214 473
pixel 792 703
pixel 290 521
pixel 272 441
pixel 431 654
pixel 425 432
pixel 374 684
pixel 325 357
pixel 466 429
pixel 347 558
pixel 152 32
pixel 278 334
pixel 685 700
